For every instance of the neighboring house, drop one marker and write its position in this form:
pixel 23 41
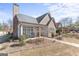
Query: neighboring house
pixel 32 27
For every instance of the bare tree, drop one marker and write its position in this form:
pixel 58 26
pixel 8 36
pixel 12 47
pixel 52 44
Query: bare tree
pixel 10 24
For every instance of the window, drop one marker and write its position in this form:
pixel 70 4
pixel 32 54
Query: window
pixel 28 31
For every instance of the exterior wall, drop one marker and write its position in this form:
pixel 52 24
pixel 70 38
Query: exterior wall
pixel 44 31
pixel 51 29
pixel 37 30
pixel 45 20
pixel 15 26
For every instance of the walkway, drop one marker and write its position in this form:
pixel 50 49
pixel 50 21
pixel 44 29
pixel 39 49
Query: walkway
pixel 64 42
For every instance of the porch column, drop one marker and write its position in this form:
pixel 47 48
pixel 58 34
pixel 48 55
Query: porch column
pixel 21 30
pixel 34 31
pixel 39 31
pixel 18 30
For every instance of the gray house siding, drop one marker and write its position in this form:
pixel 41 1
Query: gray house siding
pixel 32 30
pixel 51 29
pixel 29 26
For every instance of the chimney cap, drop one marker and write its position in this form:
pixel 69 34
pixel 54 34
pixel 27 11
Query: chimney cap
pixel 16 4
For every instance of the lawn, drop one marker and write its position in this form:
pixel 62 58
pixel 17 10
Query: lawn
pixel 44 47
pixel 71 37
pixel 55 49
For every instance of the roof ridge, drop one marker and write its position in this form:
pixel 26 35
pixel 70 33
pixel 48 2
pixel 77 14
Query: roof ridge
pixel 41 17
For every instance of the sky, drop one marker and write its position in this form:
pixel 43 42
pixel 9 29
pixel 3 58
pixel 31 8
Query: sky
pixel 57 10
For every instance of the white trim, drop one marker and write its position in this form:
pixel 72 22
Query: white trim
pixel 18 30
pixel 21 30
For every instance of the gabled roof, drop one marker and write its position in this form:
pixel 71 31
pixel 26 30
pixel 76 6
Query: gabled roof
pixel 41 17
pixel 53 20
pixel 29 19
pixel 25 18
pixel 48 22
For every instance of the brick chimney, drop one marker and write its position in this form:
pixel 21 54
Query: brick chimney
pixel 15 21
pixel 15 9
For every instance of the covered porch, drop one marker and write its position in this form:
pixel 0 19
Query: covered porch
pixel 32 30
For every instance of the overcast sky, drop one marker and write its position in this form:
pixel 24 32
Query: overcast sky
pixel 57 10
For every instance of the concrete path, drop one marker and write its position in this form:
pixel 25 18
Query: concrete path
pixel 64 42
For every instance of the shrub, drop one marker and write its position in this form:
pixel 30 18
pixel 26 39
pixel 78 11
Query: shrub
pixel 7 37
pixel 22 39
pixel 58 31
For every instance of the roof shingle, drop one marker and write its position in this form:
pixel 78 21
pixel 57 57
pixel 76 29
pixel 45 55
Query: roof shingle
pixel 41 17
pixel 25 18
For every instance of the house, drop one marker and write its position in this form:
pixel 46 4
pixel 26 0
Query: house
pixel 43 25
